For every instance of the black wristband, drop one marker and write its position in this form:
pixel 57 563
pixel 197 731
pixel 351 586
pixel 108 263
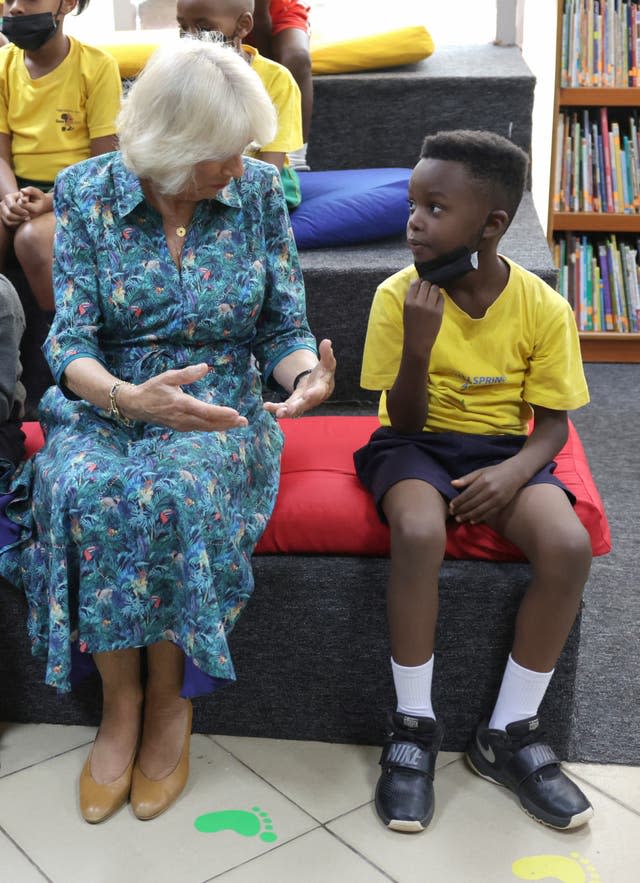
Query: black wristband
pixel 300 376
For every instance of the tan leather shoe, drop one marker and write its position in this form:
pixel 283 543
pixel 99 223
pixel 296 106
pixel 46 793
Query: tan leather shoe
pixel 98 802
pixel 150 797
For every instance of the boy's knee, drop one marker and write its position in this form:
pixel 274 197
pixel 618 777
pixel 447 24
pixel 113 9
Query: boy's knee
pixel 568 550
pixel 297 60
pixel 415 533
pixel 32 243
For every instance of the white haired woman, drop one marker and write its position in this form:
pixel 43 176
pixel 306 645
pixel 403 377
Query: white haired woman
pixel 178 291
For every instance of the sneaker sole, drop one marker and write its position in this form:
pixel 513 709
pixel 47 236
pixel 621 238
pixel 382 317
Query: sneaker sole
pixel 576 821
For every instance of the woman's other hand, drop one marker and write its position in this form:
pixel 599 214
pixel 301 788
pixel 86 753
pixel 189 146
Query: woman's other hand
pixel 313 388
pixel 162 400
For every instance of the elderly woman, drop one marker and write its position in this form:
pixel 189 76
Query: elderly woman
pixel 178 291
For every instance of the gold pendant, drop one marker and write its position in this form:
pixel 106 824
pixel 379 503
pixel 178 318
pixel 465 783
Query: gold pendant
pixel 181 232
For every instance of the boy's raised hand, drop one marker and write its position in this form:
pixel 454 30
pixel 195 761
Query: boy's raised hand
pixel 423 310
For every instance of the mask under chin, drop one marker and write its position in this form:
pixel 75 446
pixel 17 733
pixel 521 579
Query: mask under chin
pixel 448 267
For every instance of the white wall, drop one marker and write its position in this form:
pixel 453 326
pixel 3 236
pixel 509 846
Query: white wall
pixel 97 19
pixel 539 52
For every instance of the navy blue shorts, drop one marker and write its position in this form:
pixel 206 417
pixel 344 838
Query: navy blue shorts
pixel 436 458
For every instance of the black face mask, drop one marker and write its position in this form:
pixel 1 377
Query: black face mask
pixel 30 32
pixel 452 265
pixel 448 267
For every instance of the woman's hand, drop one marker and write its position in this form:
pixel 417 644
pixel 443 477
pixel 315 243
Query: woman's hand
pixel 161 400
pixel 13 211
pixel 312 389
pixel 36 201
pixel 484 492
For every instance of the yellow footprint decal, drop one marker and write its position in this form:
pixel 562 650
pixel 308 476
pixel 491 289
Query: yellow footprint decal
pixel 572 869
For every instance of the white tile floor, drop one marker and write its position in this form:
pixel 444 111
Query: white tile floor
pixel 296 812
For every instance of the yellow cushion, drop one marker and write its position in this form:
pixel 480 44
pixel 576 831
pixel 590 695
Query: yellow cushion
pixel 390 49
pixel 133 49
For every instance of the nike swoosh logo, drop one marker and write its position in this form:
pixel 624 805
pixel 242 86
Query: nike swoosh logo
pixel 487 753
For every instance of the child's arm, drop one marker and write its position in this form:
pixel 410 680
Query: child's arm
pixel 276 159
pixel 408 399
pixel 105 144
pixel 485 492
pixel 262 27
pixel 12 213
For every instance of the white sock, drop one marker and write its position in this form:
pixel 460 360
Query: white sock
pixel 413 688
pixel 521 693
pixel 298 159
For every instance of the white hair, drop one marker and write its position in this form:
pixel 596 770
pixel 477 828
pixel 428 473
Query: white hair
pixel 195 100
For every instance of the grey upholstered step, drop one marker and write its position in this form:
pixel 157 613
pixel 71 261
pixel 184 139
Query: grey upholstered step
pixel 341 282
pixel 379 118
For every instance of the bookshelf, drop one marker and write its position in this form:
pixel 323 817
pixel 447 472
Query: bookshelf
pixel 581 104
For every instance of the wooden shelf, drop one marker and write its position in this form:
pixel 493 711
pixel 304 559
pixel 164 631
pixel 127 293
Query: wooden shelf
pixel 596 346
pixel 601 96
pixel 609 346
pixel 601 222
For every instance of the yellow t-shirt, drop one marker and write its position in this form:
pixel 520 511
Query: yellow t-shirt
pixel 285 95
pixel 53 119
pixel 483 373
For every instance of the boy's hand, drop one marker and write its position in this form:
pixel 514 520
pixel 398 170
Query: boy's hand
pixel 484 492
pixel 36 201
pixel 423 309
pixel 13 211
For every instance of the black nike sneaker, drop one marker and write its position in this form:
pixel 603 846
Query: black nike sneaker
pixel 521 760
pixel 404 795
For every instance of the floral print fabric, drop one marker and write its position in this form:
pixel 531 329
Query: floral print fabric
pixel 136 534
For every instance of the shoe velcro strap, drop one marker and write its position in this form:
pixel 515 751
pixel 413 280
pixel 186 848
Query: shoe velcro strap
pixel 529 760
pixel 408 756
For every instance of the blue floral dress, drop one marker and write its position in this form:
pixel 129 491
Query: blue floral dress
pixel 132 535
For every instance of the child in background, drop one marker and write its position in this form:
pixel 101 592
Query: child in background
pixel 465 345
pixel 58 103
pixel 12 392
pixel 281 31
pixel 233 20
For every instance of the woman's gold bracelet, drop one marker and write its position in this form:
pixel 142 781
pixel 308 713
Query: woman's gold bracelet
pixel 114 411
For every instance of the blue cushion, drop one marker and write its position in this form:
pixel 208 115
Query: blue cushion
pixel 350 206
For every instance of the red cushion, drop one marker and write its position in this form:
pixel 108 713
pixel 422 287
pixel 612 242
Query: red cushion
pixel 322 508
pixel 34 438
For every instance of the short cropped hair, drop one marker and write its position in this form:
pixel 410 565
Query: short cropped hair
pixel 195 100
pixel 81 6
pixel 499 165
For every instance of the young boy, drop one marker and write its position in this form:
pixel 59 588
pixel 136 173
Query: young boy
pixel 233 20
pixel 281 31
pixel 464 346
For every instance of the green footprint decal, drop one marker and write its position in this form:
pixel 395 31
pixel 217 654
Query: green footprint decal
pixel 573 869
pixel 239 820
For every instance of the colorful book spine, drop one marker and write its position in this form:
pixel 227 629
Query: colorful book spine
pixel 603 260
pixel 604 127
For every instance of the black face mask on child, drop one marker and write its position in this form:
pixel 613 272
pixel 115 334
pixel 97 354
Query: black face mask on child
pixel 30 32
pixel 450 266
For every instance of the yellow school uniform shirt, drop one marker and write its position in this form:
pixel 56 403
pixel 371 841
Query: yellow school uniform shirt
pixel 484 374
pixel 284 93
pixel 53 118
